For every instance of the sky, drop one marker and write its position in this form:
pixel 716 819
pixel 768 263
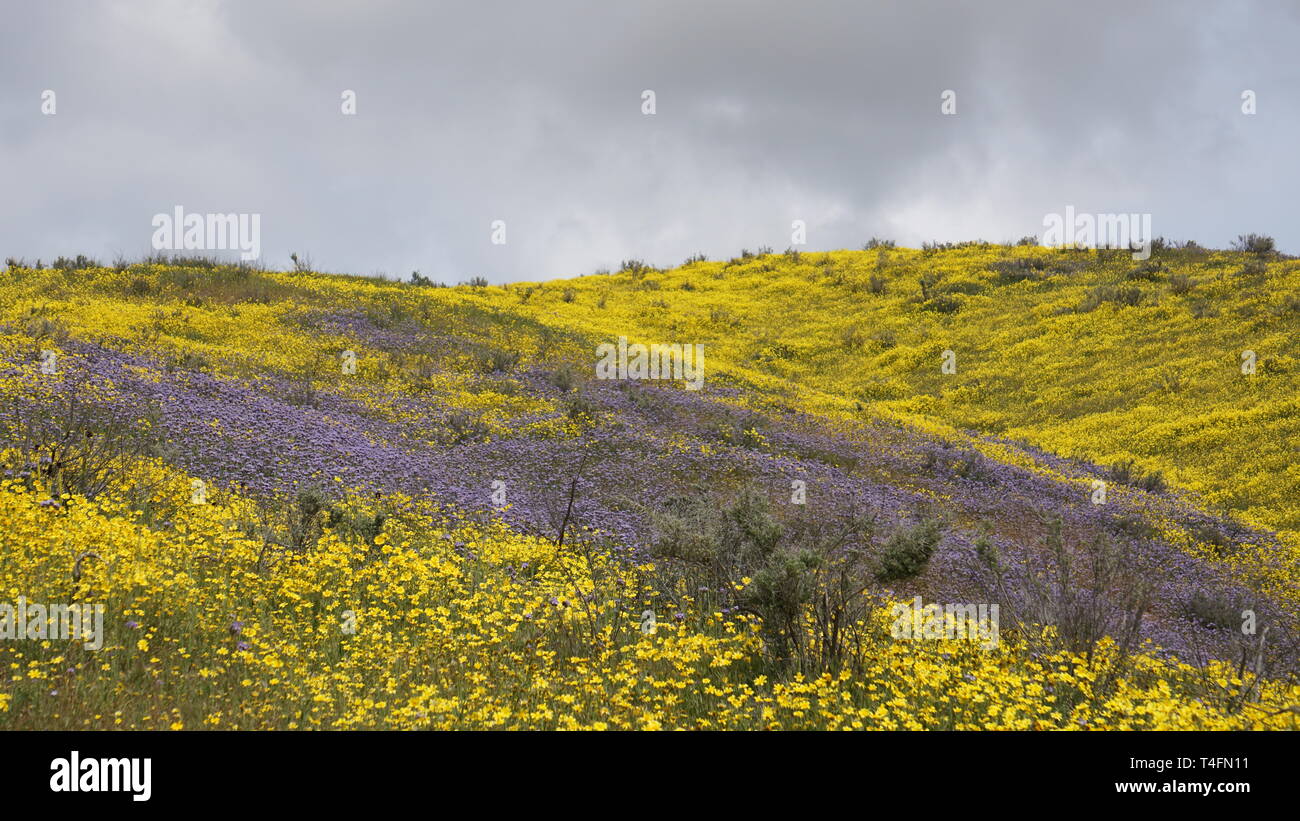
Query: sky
pixel 477 122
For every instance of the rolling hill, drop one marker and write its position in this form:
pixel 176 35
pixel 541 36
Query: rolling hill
pixel 311 500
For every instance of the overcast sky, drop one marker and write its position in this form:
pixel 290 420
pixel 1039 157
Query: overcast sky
pixel 532 113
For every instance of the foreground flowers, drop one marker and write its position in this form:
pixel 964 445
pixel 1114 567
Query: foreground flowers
pixel 437 623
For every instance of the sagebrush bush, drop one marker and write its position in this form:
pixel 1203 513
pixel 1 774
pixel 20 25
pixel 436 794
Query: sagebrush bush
pixel 466 426
pixel 1127 472
pixel 422 281
pixel 974 466
pixel 1148 271
pixel 1254 268
pixel 775 568
pixel 852 338
pixel 565 378
pixel 1254 244
pixel 1212 610
pixel 79 444
pixel 1089 591
pixel 636 268
pixel 1181 284
pixel 908 549
pixel 1010 271
pixel 943 304
pixel 1101 294
pixel 78 263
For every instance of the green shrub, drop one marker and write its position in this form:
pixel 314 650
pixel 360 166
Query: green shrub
pixel 1254 244
pixel 973 466
pixel 78 263
pixel 564 377
pixel 908 550
pixel 1128 473
pixel 943 303
pixel 1212 610
pixel 465 426
pixel 1010 271
pixel 1102 294
pixel 1149 271
pixel 422 281
pixel 636 268
pixel 885 338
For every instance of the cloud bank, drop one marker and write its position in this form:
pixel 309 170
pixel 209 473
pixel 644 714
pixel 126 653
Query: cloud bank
pixel 532 114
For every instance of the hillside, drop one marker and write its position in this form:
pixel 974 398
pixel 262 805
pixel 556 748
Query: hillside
pixel 417 506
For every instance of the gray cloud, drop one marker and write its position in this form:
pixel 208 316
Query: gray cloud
pixel 531 113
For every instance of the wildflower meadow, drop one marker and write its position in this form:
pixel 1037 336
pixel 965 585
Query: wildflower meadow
pixel 972 486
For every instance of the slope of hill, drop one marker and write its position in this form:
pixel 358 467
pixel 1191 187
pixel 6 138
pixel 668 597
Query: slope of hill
pixel 1086 353
pixel 321 501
